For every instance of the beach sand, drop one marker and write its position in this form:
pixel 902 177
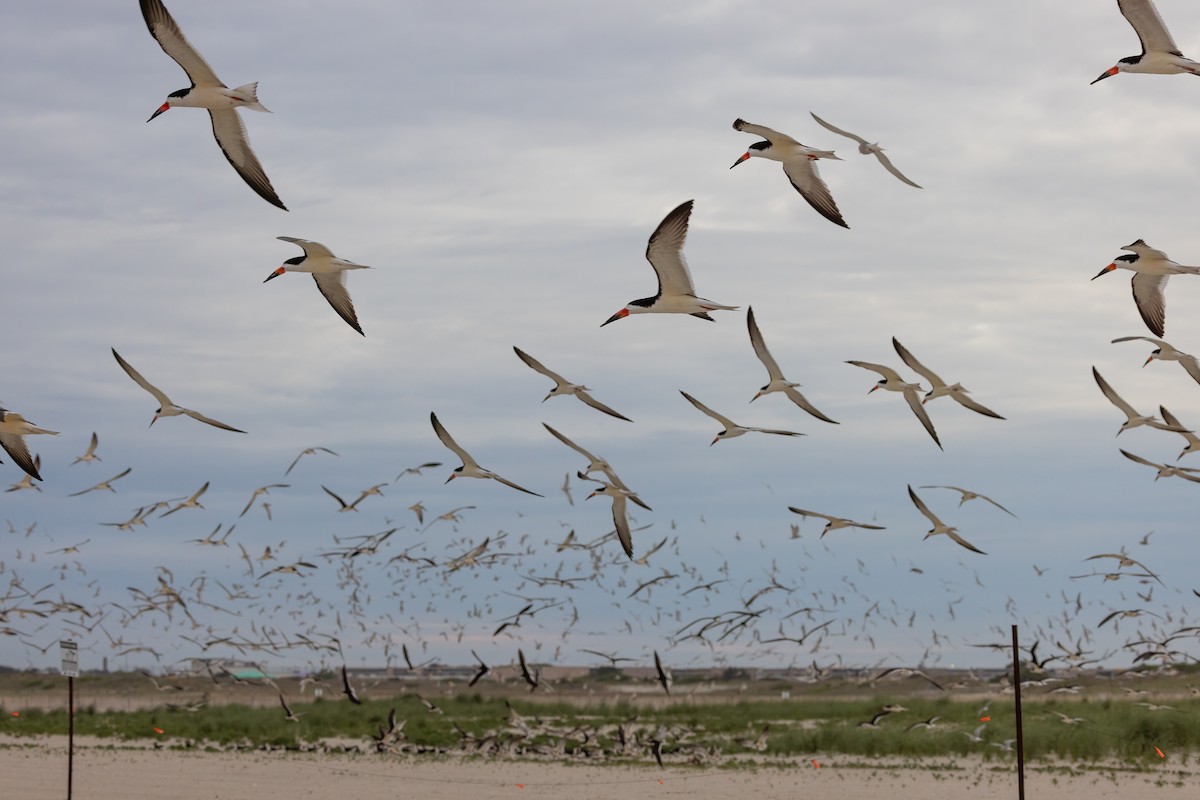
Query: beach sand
pixel 37 768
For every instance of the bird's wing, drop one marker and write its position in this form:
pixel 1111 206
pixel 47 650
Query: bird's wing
pixel 162 399
pixel 596 404
pixel 807 181
pixel 924 509
pixel 310 248
pixel 15 446
pixel 509 483
pixel 774 431
pixel 665 252
pixel 1150 300
pixel 1158 342
pixel 538 366
pixel 163 28
pixel 231 135
pixel 772 136
pixel 965 400
pixel 794 395
pixel 1140 460
pixel 196 415
pixel 333 286
pixel 1112 396
pixel 888 373
pixel 1151 30
pixel 760 347
pixel 890 167
pixel 452 445
pixel 965 543
pixel 917 366
pixel 570 444
pixel 341 502
pixel 804 513
pixel 726 421
pixel 838 130
pixel 621 521
pixel 1192 366
pixel 914 402
pixel 997 505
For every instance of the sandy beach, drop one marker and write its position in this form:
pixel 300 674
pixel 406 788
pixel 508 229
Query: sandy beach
pixel 36 768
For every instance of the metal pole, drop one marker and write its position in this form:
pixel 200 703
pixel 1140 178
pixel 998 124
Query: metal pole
pixel 1017 703
pixel 70 734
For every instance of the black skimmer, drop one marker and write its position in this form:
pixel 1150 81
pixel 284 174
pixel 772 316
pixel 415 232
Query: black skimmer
pixel 1152 268
pixel 967 494
pixel 893 382
pixel 563 386
pixel 940 527
pixel 328 271
pixel 308 451
pixel 676 293
pixel 732 429
pixel 90 454
pixel 13 430
pixel 1160 55
pixel 799 164
pixel 867 149
pixel 1132 418
pixel 165 407
pixel 834 523
pixel 1165 352
pixel 778 383
pixel 620 514
pixel 940 388
pixel 209 93
pixel 470 467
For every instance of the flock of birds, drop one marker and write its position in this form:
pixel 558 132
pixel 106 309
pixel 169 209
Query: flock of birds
pixel 264 606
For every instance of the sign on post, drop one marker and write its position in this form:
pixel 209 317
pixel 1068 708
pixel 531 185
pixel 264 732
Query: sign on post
pixel 70 658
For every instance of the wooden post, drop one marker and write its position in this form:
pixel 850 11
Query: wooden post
pixel 70 734
pixel 1017 704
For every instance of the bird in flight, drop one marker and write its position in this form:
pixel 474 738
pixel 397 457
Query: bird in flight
pixel 165 407
pixel 209 93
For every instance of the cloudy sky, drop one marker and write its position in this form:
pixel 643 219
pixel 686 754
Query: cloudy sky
pixel 501 166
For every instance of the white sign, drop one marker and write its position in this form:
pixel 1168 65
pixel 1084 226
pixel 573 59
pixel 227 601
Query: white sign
pixel 70 658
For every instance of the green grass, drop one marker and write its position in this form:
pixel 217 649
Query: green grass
pixel 1115 729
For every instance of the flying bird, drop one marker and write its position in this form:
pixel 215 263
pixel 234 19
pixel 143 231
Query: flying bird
pixel 470 467
pixel 104 484
pixel 328 271
pixel 165 407
pixel 483 669
pixel 563 386
pixel 1132 418
pixel 209 93
pixel 1193 441
pixel 967 494
pixel 799 164
pixel 1160 55
pixel 90 454
pixel 867 149
pixel 732 429
pixel 778 383
pixel 619 512
pixel 13 430
pixel 1165 352
pixel 308 451
pixel 893 382
pixel 1152 268
pixel 1166 470
pixel 939 526
pixel 939 387
pixel 191 502
pixel 676 292
pixel 664 675
pixel 834 523
pixel 26 481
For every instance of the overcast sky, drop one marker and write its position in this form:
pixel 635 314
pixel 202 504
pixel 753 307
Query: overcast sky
pixel 501 166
